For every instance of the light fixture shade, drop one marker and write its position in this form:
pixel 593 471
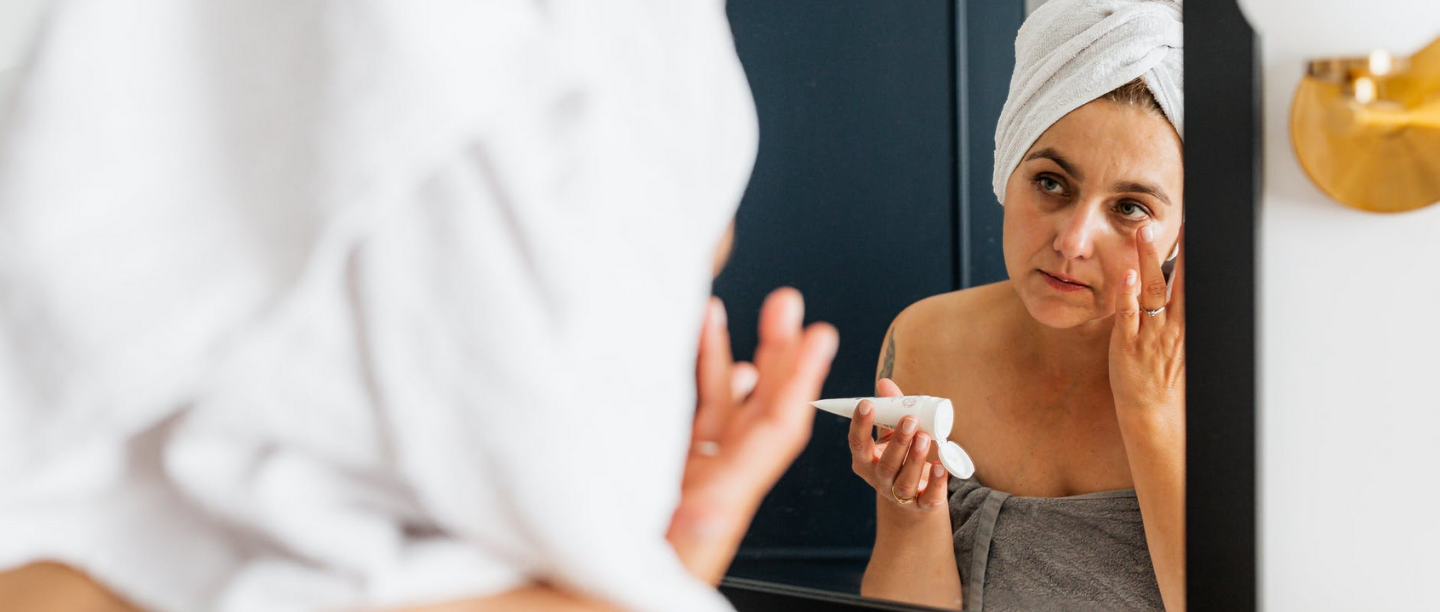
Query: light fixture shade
pixel 1367 130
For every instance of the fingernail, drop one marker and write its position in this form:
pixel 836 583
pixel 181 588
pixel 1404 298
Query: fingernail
pixel 908 425
pixel 1130 278
pixel 745 380
pixel 937 470
pixel 922 443
pixel 1147 233
pixel 832 346
pixel 866 408
pixel 717 307
pixel 797 310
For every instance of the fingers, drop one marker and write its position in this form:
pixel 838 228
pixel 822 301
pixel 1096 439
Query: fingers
pixel 907 482
pixel 883 436
pixel 862 447
pixel 887 388
pixel 895 451
pixel 713 375
pixel 743 376
pixel 780 335
pixel 801 383
pixel 781 315
pixel 791 366
pixel 1177 282
pixel 937 489
pixel 1127 306
pixel 1152 279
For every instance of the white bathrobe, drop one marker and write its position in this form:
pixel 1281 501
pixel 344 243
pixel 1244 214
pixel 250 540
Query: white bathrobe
pixel 313 304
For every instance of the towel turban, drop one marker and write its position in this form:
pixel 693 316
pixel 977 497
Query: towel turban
pixel 1070 52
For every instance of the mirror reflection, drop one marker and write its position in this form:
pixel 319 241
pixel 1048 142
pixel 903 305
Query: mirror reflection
pixel 1053 322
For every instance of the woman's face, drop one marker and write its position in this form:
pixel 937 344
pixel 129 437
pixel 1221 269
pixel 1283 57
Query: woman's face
pixel 1074 203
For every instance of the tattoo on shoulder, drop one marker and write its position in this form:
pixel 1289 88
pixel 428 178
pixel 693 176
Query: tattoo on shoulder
pixel 887 365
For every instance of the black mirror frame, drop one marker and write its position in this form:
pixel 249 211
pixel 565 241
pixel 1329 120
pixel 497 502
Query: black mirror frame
pixel 1223 178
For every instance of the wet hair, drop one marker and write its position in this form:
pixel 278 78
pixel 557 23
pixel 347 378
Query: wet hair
pixel 1136 94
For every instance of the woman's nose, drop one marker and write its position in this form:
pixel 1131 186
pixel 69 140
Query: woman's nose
pixel 1075 237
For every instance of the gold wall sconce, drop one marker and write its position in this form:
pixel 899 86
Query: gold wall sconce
pixel 1367 130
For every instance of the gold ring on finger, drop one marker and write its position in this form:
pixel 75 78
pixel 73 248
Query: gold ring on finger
pixel 897 498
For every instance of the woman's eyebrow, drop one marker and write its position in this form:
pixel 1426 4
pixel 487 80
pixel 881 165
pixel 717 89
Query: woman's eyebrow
pixel 1146 188
pixel 1055 156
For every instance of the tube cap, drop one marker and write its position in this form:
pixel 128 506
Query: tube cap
pixel 956 460
pixel 944 418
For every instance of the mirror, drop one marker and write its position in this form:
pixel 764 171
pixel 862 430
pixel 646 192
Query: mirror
pixel 872 194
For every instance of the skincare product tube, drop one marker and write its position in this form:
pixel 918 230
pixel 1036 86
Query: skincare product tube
pixel 936 414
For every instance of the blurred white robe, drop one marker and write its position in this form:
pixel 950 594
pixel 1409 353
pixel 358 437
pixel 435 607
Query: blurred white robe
pixel 314 304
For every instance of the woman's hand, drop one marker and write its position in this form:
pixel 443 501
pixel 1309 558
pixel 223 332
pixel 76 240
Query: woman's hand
pixel 913 560
pixel 1147 351
pixel 750 424
pixel 896 464
pixel 1147 376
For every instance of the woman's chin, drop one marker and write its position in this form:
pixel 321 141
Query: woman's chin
pixel 1058 315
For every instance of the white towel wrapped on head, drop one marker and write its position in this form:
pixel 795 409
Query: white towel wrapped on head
pixel 1070 52
pixel 313 305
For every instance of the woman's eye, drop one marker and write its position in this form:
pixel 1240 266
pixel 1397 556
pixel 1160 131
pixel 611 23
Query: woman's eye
pixel 1132 210
pixel 1051 185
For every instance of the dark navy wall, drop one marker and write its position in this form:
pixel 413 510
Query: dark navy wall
pixel 986 58
pixel 871 191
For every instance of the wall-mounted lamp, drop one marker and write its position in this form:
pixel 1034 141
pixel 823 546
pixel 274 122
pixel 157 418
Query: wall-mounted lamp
pixel 1367 129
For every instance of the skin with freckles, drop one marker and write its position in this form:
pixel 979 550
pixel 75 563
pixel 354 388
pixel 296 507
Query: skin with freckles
pixel 1073 205
pixel 1061 384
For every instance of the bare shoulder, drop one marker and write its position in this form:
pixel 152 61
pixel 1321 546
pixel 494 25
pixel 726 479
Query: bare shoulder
pixel 934 326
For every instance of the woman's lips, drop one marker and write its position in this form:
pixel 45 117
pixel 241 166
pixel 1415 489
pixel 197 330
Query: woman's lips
pixel 1060 283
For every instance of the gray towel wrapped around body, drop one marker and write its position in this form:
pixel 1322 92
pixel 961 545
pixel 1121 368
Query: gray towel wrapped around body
pixel 1031 554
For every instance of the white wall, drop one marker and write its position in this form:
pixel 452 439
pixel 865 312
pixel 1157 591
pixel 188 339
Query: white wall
pixel 1350 350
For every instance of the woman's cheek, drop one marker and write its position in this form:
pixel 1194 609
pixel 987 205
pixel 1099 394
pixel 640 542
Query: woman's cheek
pixel 1128 253
pixel 1113 278
pixel 1118 266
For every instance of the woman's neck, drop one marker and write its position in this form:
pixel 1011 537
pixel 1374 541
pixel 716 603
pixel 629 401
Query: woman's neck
pixel 1082 350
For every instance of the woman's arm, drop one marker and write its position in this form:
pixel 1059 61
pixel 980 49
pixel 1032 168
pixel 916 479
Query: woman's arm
pixel 914 556
pixel 1155 446
pixel 1147 376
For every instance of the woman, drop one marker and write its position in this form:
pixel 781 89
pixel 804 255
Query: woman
pixel 1068 378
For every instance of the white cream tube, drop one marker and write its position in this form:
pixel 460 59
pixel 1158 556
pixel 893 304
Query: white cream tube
pixel 936 414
